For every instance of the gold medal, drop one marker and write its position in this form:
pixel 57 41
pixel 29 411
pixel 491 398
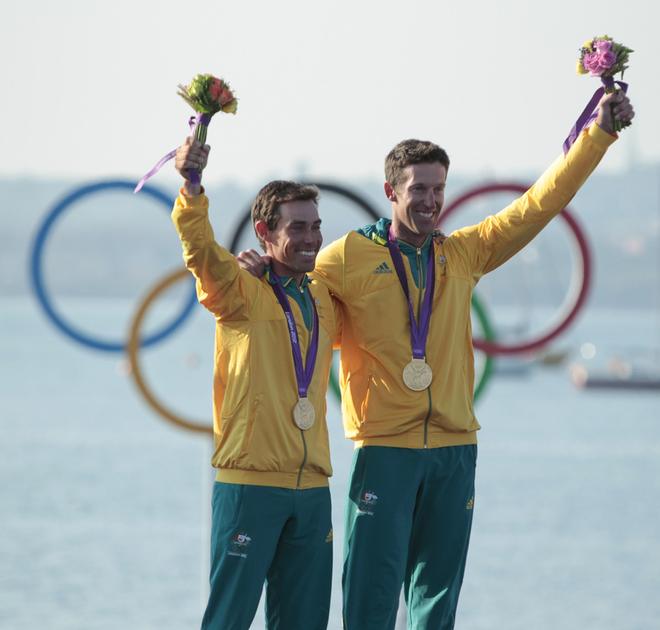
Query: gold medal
pixel 303 414
pixel 417 375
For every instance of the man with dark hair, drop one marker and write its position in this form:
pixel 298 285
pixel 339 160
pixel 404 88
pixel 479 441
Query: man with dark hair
pixel 407 378
pixel 273 348
pixel 267 205
pixel 409 152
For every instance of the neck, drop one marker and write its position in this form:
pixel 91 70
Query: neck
pixel 282 270
pixel 402 233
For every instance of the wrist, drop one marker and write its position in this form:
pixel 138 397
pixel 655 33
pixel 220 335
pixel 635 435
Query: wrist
pixel 607 129
pixel 191 190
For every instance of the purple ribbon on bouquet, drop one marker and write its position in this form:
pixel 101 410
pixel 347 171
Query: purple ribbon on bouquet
pixel 303 375
pixel 589 114
pixel 195 176
pixel 418 330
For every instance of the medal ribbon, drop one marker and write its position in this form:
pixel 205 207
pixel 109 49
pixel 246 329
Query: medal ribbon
pixel 590 112
pixel 195 177
pixel 418 330
pixel 303 375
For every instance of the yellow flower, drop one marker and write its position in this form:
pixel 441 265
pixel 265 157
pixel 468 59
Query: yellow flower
pixel 580 68
pixel 231 107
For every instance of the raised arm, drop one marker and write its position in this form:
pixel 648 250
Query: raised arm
pixel 494 240
pixel 222 287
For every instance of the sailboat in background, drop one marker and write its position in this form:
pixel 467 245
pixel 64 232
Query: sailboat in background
pixel 620 373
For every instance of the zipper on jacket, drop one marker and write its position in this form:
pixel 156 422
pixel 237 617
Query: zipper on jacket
pixel 420 276
pixel 304 461
pixel 426 421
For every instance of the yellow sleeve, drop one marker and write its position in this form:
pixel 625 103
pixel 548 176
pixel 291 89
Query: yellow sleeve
pixel 329 268
pixel 339 318
pixel 492 242
pixel 222 287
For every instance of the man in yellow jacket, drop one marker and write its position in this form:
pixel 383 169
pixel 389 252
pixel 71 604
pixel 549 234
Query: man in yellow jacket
pixel 407 374
pixel 273 348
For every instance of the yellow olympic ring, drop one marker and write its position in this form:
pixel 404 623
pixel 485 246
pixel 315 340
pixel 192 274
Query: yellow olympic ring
pixel 133 349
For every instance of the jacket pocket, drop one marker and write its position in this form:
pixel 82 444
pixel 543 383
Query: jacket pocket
pixel 252 415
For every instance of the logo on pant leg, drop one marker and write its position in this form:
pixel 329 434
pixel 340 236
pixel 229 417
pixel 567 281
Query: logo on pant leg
pixel 329 537
pixel 470 504
pixel 239 545
pixel 367 503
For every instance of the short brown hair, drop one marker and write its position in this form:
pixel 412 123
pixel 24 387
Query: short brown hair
pixel 266 205
pixel 409 152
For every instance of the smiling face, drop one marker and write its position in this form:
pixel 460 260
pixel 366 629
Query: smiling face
pixel 295 240
pixel 286 220
pixel 415 177
pixel 417 201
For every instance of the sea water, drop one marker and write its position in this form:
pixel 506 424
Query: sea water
pixel 104 516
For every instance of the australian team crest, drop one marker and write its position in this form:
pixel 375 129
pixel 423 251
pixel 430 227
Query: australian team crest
pixel 239 545
pixel 368 502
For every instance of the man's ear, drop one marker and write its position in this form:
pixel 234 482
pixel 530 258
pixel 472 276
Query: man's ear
pixel 261 228
pixel 389 191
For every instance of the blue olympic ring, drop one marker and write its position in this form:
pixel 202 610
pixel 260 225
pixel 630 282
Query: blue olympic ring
pixel 39 286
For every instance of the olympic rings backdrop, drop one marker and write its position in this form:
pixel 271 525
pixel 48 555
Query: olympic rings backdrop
pixel 580 281
pixel 39 283
pixel 136 341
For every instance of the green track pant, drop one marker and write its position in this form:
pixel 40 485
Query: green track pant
pixel 276 535
pixel 408 522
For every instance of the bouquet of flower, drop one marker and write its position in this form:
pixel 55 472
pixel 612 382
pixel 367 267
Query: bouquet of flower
pixel 207 95
pixel 603 57
pixel 600 57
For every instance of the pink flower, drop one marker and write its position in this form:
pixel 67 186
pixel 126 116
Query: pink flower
pixel 225 96
pixel 220 93
pixel 598 62
pixel 591 62
pixel 215 89
pixel 607 58
pixel 602 45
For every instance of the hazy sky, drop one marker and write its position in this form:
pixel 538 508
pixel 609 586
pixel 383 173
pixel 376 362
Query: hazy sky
pixel 90 87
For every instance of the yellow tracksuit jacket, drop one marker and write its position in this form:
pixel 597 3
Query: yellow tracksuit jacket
pixel 254 383
pixel 378 409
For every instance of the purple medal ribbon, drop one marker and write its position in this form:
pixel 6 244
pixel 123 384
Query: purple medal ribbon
pixel 195 177
pixel 303 376
pixel 418 330
pixel 589 114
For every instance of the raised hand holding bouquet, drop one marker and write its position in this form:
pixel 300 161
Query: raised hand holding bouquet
pixel 600 57
pixel 207 95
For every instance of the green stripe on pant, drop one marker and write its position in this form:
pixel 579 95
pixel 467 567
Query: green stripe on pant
pixel 408 521
pixel 276 535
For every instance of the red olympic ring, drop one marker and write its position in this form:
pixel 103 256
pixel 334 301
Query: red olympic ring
pixel 580 283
